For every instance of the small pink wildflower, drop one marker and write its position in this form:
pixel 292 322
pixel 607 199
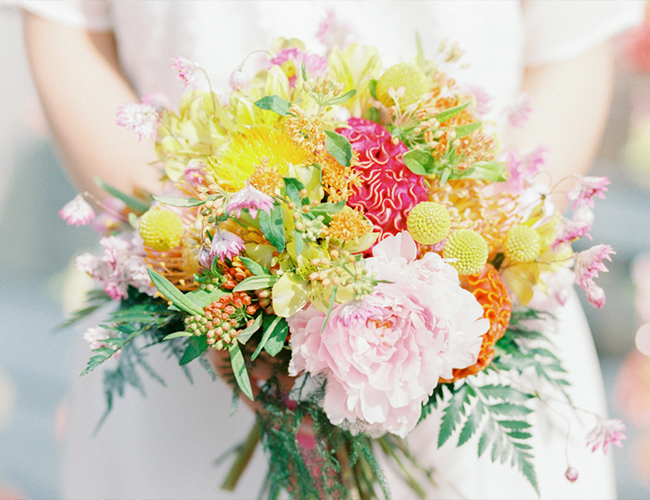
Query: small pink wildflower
pixel 193 172
pixel 483 99
pixel 226 245
pixel 586 189
pixel 570 230
pixel 596 295
pixel 143 119
pixel 95 335
pixel 187 70
pixel 77 212
pixel 315 65
pixel 332 33
pixel 250 198
pixel 519 112
pixel 605 433
pixel 589 262
pixel 156 99
pixel 239 81
pixel 523 168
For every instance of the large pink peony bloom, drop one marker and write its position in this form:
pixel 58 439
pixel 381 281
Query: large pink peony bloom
pixel 382 356
pixel 388 189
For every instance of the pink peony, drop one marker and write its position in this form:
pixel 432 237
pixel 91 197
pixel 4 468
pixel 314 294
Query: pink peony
pixel 388 190
pixel 77 212
pixel 382 356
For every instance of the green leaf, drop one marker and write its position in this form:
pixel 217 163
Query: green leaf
pixel 515 424
pixel 372 88
pixel 465 130
pixel 372 114
pixel 272 227
pixel 486 437
pixel 473 423
pixel 422 63
pixel 298 242
pixel 177 201
pixel 274 103
pixel 504 393
pixel 293 187
pixel 491 171
pixel 419 162
pixel 203 298
pixel 328 208
pixel 177 335
pixel 329 307
pixel 342 98
pixel 450 113
pixel 239 370
pixel 272 322
pixel 254 267
pixel 303 70
pixel 510 410
pixel 339 147
pixel 248 332
pixel 446 173
pixel 275 342
pixel 170 292
pixel 104 353
pixel 195 347
pixel 132 202
pixel 453 414
pixel 257 283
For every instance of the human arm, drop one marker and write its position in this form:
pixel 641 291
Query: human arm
pixel 77 75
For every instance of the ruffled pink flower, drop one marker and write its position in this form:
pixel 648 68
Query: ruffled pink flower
pixel 143 119
pixel 519 112
pixel 570 230
pixel 187 71
pixel 315 65
pixel 226 245
pixel 250 198
pixel 77 212
pixel 595 295
pixel 605 433
pixel 156 99
pixel 388 189
pixel 382 357
pixel 193 172
pixel 586 189
pixel 110 218
pixel 523 168
pixel 589 262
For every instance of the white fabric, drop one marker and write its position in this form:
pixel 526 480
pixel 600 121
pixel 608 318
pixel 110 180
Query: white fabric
pixel 162 446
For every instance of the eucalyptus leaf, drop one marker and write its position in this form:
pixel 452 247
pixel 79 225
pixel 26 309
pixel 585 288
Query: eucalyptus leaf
pixel 339 147
pixel 135 203
pixel 170 292
pixel 239 370
pixel 257 283
pixel 274 103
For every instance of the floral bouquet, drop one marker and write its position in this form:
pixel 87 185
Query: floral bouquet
pixel 349 248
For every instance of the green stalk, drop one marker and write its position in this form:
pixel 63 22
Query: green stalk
pixel 242 458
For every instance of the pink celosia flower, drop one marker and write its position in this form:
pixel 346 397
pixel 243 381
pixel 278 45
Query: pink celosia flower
pixel 586 189
pixel 156 99
pixel 77 212
pixel 95 335
pixel 519 112
pixel 589 262
pixel 315 65
pixel 250 198
pixel 226 245
pixel 239 81
pixel 193 172
pixel 143 119
pixel 388 189
pixel 605 433
pixel 382 357
pixel 187 71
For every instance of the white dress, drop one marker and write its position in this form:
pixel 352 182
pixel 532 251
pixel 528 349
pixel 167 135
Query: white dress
pixel 162 446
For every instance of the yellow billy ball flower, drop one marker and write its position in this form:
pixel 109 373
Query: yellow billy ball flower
pixel 160 229
pixel 469 249
pixel 404 74
pixel 522 244
pixel 428 222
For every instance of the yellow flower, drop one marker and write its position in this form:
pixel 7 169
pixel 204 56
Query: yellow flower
pixel 160 229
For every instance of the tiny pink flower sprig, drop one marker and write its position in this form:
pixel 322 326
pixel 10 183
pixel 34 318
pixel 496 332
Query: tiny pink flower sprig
pixel 251 198
pixel 520 110
pixel 77 212
pixel 585 190
pixel 588 263
pixel 606 432
pixel 142 118
pixel 187 71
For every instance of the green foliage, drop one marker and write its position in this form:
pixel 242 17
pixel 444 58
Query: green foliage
pixel 196 345
pixel 135 204
pixel 259 282
pixel 173 294
pixel 272 227
pixel 274 103
pixel 178 201
pixel 339 147
pixel 445 115
pixel 95 299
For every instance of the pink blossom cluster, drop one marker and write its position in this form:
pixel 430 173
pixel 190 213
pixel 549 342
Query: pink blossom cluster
pixel 605 433
pixel 520 110
pixel 121 266
pixel 333 33
pixel 575 228
pixel 585 190
pixel 522 168
pixel 250 198
pixel 187 71
pixel 142 118
pixel 225 245
pixel 382 356
pixel 588 264
pixel 95 337
pixel 77 212
pixel 315 65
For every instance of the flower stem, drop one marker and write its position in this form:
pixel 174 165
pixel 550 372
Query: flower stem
pixel 243 457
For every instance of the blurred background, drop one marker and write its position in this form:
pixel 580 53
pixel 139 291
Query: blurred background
pixel 38 365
